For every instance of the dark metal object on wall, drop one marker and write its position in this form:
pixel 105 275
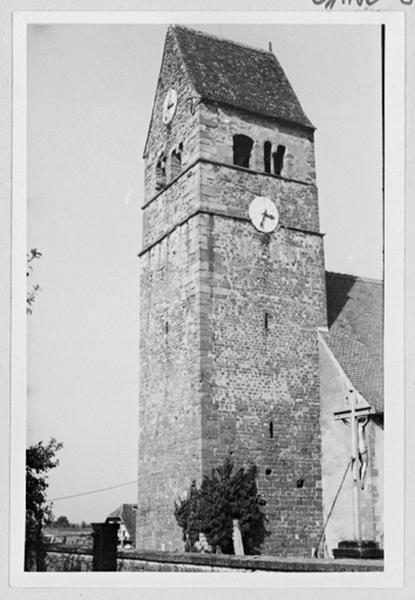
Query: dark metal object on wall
pixel 105 546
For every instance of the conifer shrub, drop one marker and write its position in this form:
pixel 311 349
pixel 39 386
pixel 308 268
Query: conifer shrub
pixel 222 497
pixel 186 512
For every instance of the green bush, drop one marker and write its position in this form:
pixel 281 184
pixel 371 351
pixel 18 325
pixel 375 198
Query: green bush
pixel 222 497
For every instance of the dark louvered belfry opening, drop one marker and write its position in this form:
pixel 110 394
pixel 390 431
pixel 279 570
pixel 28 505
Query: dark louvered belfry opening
pixel 267 157
pixel 278 160
pixel 176 162
pixel 242 148
pixel 161 173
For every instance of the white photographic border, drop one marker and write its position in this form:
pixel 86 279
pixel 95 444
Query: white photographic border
pixel 393 575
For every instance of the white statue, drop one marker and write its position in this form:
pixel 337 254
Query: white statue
pixel 202 545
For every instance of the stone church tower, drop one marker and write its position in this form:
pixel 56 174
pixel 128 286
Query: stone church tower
pixel 232 290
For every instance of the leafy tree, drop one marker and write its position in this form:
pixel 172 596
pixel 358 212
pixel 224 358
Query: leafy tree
pixel 62 521
pixel 224 496
pixel 40 458
pixel 35 289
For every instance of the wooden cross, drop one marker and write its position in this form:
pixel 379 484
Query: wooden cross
pixel 353 414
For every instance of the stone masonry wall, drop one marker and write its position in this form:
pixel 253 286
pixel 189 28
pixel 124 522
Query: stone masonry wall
pixel 65 559
pixel 70 560
pixel 220 189
pixel 256 374
pixel 169 410
pixel 372 509
pixel 184 126
pixel 133 560
pixel 172 207
pixel 218 125
pixel 232 190
pixel 169 406
pixel 212 377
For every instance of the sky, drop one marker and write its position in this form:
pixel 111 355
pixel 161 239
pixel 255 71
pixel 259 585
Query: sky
pixel 90 94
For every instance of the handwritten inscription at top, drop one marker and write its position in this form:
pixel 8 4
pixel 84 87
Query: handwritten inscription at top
pixel 332 3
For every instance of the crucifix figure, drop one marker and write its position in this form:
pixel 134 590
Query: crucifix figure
pixel 362 448
pixel 358 417
pixel 266 215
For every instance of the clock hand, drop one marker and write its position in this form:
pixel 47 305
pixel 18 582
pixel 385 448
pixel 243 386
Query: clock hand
pixel 266 215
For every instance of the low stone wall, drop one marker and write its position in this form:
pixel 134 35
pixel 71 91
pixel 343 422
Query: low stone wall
pixel 65 558
pixel 146 560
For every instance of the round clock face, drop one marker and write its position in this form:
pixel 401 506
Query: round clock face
pixel 169 105
pixel 263 214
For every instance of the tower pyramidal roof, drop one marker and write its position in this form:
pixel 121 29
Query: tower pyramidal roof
pixel 236 75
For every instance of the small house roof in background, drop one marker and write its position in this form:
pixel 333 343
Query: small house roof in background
pixel 230 73
pixel 355 336
pixel 127 514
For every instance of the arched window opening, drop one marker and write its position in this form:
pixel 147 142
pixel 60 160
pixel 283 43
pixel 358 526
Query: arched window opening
pixel 242 148
pixel 267 157
pixel 161 173
pixel 278 159
pixel 175 163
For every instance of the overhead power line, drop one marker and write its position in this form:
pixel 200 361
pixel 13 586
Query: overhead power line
pixel 111 487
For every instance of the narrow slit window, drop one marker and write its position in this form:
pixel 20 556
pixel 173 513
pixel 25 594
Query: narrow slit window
pixel 267 157
pixel 166 327
pixel 242 148
pixel 266 321
pixel 175 164
pixel 271 429
pixel 278 160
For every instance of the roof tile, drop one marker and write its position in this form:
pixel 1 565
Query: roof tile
pixel 126 513
pixel 229 73
pixel 355 336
